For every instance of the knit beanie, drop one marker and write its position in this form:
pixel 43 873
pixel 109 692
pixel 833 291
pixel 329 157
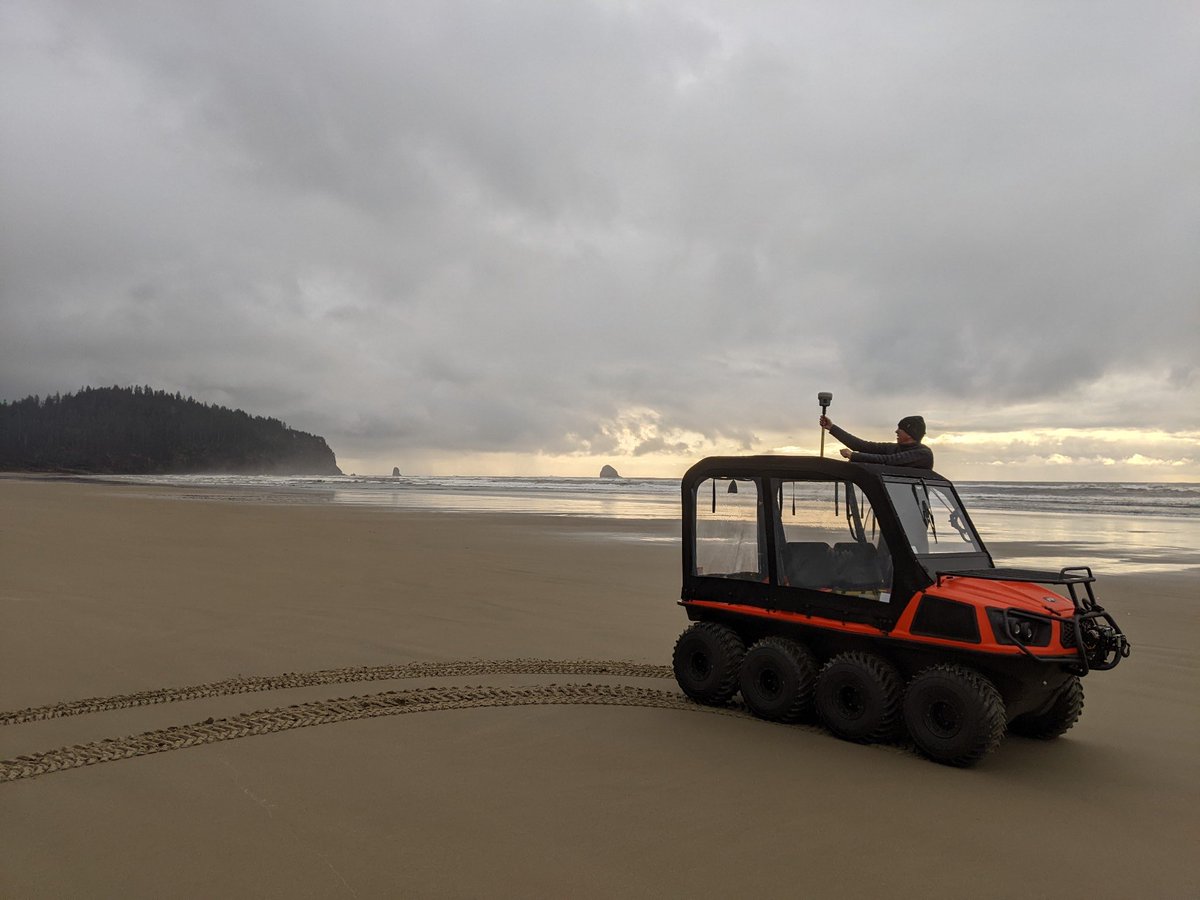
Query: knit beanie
pixel 914 426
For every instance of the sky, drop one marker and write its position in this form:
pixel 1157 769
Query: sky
pixel 478 237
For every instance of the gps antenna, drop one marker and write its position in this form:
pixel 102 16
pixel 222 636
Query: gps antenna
pixel 824 398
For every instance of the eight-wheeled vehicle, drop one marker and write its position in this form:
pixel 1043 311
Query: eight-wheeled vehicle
pixel 865 593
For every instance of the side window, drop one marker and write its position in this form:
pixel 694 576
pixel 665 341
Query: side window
pixel 729 542
pixel 827 539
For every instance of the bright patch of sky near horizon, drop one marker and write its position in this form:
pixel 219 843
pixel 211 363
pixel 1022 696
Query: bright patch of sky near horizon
pixel 537 237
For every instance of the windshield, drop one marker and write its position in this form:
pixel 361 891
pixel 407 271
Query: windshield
pixel 932 518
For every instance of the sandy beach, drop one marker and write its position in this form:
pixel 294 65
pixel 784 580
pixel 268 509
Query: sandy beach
pixel 510 777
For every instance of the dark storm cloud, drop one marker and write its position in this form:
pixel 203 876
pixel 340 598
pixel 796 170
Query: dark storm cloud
pixel 576 227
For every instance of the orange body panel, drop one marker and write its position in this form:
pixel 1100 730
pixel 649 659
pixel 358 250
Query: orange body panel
pixel 1020 595
pixel 976 592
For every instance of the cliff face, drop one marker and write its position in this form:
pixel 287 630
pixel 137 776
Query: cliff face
pixel 302 454
pixel 140 431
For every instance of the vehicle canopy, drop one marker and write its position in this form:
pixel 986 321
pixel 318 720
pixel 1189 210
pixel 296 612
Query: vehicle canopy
pixel 820 536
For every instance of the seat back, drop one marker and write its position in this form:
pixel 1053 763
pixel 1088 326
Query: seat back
pixel 807 564
pixel 857 567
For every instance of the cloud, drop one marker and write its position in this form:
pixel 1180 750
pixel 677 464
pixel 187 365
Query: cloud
pixel 564 230
pixel 1065 453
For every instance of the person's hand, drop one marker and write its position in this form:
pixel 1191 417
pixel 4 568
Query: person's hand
pixel 846 452
pixel 824 422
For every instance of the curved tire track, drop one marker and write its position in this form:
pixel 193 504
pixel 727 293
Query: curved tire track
pixel 239 685
pixel 325 712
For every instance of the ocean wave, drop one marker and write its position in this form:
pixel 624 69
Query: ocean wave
pixel 1104 498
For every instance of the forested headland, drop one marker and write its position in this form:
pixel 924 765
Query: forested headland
pixel 141 431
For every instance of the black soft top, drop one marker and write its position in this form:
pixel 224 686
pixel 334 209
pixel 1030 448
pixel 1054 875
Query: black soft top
pixel 909 573
pixel 799 468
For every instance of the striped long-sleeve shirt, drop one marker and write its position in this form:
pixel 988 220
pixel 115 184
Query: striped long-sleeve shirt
pixel 917 455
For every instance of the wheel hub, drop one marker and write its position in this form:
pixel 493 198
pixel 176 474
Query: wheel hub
pixel 850 701
pixel 943 718
pixel 769 684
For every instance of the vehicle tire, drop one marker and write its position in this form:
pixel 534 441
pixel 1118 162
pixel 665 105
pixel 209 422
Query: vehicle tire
pixel 777 679
pixel 706 661
pixel 858 697
pixel 954 715
pixel 1058 719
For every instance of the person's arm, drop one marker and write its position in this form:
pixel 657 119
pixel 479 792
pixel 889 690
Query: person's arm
pixel 917 456
pixel 856 443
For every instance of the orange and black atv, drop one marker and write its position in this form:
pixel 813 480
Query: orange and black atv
pixel 865 591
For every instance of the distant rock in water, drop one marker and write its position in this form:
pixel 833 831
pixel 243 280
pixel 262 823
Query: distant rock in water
pixel 609 472
pixel 141 431
pixel 395 471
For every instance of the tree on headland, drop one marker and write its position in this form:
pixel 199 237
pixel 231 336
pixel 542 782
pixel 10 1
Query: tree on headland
pixel 141 431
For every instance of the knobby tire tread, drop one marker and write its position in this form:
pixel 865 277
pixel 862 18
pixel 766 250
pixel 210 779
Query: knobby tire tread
pixel 992 708
pixel 802 659
pixel 885 675
pixel 731 653
pixel 1058 720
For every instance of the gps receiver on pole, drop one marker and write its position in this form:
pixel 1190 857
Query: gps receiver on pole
pixel 824 398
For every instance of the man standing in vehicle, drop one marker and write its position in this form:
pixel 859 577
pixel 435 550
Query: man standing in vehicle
pixel 907 451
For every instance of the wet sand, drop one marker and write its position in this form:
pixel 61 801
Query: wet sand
pixel 108 590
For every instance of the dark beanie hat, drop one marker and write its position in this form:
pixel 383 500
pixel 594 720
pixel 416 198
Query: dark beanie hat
pixel 914 426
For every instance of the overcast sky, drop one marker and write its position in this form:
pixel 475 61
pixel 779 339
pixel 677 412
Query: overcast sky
pixel 537 237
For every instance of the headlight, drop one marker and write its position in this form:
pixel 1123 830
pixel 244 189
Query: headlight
pixel 1011 628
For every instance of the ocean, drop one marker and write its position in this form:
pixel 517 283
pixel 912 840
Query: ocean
pixel 1120 527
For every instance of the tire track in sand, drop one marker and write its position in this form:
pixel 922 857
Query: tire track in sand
pixel 325 712
pixel 329 711
pixel 240 685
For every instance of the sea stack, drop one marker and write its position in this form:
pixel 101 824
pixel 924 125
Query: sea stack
pixel 609 472
pixel 395 471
